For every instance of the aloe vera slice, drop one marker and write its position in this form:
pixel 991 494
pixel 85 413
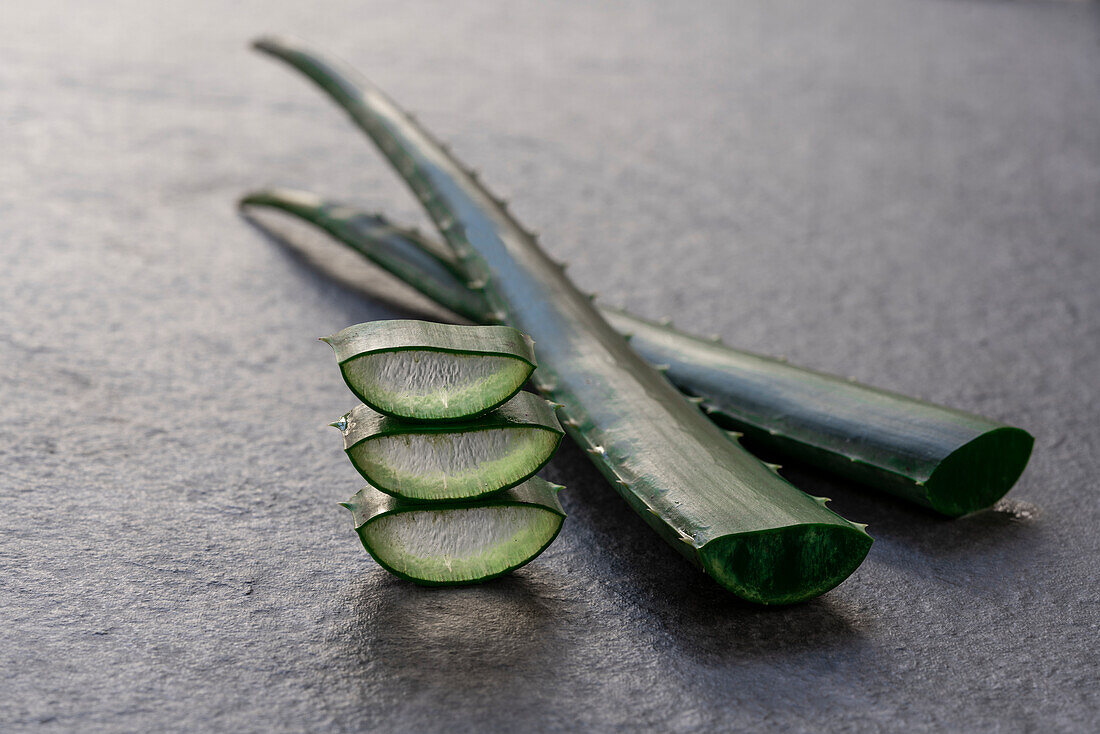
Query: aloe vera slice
pixel 450 543
pixel 732 516
pixel 425 371
pixel 944 459
pixel 455 459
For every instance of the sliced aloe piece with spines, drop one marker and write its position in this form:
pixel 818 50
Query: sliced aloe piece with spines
pixel 941 458
pixel 753 532
pixel 452 543
pixel 421 370
pixel 452 460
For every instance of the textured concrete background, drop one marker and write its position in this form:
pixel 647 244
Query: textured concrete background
pixel 901 190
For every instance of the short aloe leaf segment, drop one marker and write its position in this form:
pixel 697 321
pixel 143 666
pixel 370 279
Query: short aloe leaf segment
pixel 450 543
pixel 452 460
pixel 421 370
pixel 711 500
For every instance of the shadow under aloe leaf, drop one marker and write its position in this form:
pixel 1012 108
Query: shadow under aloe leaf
pixel 893 521
pixel 495 638
pixel 328 264
pixel 698 615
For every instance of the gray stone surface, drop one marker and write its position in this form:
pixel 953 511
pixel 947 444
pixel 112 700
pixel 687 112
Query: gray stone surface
pixel 901 190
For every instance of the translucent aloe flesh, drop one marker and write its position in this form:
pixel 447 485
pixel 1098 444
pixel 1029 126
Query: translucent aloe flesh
pixel 452 459
pixel 450 543
pixel 948 460
pixel 425 371
pixel 753 532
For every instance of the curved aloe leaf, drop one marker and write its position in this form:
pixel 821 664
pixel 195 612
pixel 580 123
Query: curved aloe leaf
pixel 948 460
pixel 419 261
pixel 425 371
pixel 450 543
pixel 452 460
pixel 740 522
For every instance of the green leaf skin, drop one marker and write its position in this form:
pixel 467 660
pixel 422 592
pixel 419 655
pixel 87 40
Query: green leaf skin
pixel 454 543
pixel 937 457
pixel 753 532
pixel 452 460
pixel 419 261
pixel 950 461
pixel 419 370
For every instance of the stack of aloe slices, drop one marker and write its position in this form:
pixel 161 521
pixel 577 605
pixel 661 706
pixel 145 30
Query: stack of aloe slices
pixel 745 527
pixel 450 447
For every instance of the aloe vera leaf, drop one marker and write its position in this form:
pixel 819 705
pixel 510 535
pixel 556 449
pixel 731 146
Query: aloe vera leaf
pixel 421 370
pixel 735 518
pixel 945 459
pixel 419 261
pixel 450 543
pixel 948 460
pixel 452 459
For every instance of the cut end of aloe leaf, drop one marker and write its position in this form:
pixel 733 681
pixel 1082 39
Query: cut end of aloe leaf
pixel 453 543
pixel 425 371
pixel 785 565
pixel 980 472
pixel 461 460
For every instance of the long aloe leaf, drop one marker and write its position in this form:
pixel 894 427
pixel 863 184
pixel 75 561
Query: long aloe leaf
pixel 449 543
pixel 426 371
pixel 452 459
pixel 948 460
pixel 945 459
pixel 754 533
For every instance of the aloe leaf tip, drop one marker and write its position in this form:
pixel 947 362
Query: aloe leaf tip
pixel 268 43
